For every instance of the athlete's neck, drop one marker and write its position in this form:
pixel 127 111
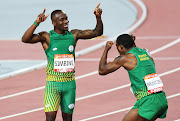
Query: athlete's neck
pixel 59 31
pixel 131 48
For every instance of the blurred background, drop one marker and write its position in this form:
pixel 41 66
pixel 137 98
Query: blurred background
pixel 17 16
pixel 23 66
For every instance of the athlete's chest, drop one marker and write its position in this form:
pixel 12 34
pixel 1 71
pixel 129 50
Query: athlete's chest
pixel 65 45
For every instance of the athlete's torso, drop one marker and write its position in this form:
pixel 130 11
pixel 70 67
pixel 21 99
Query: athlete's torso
pixel 60 55
pixel 144 67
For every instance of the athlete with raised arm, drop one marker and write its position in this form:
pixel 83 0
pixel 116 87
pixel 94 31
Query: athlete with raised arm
pixel 146 85
pixel 59 45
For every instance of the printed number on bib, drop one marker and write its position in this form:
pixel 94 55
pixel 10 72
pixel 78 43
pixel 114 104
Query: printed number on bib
pixel 153 83
pixel 64 63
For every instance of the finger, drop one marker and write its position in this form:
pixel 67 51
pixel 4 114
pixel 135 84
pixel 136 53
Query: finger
pixel 44 10
pixel 46 16
pixel 98 5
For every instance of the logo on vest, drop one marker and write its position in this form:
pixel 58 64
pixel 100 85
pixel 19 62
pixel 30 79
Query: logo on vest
pixel 54 49
pixel 71 48
pixel 71 106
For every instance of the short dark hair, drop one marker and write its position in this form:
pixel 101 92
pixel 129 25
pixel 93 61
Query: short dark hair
pixel 126 40
pixel 54 12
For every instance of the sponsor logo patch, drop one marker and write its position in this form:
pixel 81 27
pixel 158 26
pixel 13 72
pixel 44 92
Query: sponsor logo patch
pixel 47 105
pixel 71 48
pixel 71 106
pixel 54 49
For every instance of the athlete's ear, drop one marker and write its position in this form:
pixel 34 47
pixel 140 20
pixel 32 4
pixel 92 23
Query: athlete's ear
pixel 54 23
pixel 121 47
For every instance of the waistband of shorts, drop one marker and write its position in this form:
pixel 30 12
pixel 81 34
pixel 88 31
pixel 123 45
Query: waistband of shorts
pixel 60 78
pixel 150 95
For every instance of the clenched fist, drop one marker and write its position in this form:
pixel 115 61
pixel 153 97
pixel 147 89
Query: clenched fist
pixel 98 11
pixel 109 45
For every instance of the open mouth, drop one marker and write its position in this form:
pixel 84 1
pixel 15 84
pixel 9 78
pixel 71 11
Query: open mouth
pixel 66 26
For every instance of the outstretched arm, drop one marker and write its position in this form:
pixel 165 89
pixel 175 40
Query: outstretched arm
pixel 88 34
pixel 106 68
pixel 29 36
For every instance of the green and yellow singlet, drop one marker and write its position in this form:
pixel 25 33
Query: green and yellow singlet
pixel 61 57
pixel 145 66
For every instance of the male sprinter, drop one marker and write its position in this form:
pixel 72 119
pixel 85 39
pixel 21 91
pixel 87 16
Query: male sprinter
pixel 145 83
pixel 59 45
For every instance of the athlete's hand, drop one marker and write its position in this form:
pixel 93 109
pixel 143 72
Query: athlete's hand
pixel 41 17
pixel 133 36
pixel 109 45
pixel 98 11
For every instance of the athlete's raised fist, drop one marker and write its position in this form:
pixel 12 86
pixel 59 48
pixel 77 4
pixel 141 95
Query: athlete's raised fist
pixel 41 17
pixel 98 11
pixel 109 44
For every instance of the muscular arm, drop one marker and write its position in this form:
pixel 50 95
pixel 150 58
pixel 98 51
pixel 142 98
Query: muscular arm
pixel 29 36
pixel 106 68
pixel 88 34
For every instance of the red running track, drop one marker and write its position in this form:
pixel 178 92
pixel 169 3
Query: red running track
pixel 162 21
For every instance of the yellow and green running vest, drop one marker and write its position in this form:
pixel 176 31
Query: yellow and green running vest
pixel 61 46
pixel 144 67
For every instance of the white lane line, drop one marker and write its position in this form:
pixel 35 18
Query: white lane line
pixel 86 75
pixel 18 114
pixel 157 37
pixel 175 95
pixel 177 120
pixel 92 95
pixel 106 114
pixel 166 58
pixel 103 92
pixel 24 92
pixel 169 72
pixel 166 46
pixel 39 88
pixel 121 110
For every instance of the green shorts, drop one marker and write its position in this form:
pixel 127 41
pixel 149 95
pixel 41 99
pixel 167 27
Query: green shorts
pixel 152 106
pixel 60 93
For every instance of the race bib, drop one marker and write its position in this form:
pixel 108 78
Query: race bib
pixel 153 83
pixel 64 63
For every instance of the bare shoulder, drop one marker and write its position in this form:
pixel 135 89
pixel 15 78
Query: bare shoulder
pixel 44 36
pixel 75 31
pixel 120 59
pixel 131 61
pixel 130 55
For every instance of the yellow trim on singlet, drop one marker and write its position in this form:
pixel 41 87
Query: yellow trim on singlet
pixel 59 78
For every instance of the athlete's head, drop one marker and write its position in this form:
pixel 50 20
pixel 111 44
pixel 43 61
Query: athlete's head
pixel 59 20
pixel 125 42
